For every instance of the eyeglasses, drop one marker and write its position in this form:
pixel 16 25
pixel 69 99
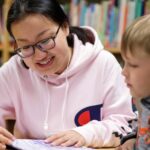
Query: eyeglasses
pixel 43 45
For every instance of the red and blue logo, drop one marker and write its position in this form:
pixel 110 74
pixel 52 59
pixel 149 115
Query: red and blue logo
pixel 88 114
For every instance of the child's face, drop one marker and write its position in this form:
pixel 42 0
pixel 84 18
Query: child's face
pixel 137 73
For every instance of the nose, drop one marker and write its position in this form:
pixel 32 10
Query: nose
pixel 38 55
pixel 124 71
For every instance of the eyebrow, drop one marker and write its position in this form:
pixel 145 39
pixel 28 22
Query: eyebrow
pixel 38 35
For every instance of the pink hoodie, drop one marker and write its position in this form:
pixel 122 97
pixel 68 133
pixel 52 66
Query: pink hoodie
pixel 90 97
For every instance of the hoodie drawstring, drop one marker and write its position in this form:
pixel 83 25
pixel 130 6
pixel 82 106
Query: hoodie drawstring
pixel 46 126
pixel 47 110
pixel 65 100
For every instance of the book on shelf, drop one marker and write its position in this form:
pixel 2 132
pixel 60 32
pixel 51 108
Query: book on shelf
pixel 108 17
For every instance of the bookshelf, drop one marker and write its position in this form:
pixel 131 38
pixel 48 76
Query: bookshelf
pixel 5 49
pixel 108 17
pixel 1 46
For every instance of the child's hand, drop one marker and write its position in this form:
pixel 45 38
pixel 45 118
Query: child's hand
pixel 5 138
pixel 67 138
pixel 128 145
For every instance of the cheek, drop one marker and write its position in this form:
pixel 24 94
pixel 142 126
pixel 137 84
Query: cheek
pixel 136 75
pixel 145 84
pixel 61 42
pixel 28 62
pixel 143 78
pixel 138 82
pixel 62 58
pixel 133 78
pixel 141 85
pixel 60 51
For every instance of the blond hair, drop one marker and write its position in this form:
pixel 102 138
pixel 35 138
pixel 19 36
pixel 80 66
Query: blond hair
pixel 137 36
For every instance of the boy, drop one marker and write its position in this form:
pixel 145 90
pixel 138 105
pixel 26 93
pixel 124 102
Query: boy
pixel 135 50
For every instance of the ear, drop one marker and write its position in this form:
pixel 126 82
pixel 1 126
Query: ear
pixel 65 28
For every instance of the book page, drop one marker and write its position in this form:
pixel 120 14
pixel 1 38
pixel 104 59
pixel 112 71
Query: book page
pixel 27 144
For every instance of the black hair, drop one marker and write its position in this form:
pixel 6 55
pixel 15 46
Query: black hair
pixel 51 9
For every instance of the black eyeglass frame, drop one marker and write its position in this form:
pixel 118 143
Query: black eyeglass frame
pixel 37 45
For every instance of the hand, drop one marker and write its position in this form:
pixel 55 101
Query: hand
pixel 128 145
pixel 67 138
pixel 5 138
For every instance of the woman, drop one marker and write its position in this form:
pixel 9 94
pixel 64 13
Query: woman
pixel 62 86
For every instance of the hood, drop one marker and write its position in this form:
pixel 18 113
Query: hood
pixel 83 55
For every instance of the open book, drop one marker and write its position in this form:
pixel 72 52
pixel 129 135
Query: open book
pixel 27 144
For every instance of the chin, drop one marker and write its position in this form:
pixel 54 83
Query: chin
pixel 137 97
pixel 133 94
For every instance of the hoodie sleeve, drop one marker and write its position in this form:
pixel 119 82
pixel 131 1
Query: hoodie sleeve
pixel 6 94
pixel 117 111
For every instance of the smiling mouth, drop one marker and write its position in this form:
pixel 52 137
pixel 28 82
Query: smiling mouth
pixel 46 62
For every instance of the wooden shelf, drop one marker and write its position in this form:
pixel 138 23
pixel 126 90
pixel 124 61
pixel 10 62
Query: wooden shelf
pixel 113 50
pixel 5 44
pixel 6 47
pixel 1 46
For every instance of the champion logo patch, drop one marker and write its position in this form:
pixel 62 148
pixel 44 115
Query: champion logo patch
pixel 88 114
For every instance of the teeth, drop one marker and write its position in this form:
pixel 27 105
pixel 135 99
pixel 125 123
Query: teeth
pixel 45 62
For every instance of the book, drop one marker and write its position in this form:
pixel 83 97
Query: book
pixel 29 144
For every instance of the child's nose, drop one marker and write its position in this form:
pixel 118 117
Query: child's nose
pixel 124 71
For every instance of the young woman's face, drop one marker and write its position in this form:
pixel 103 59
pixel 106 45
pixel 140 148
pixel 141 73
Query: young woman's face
pixel 137 73
pixel 35 28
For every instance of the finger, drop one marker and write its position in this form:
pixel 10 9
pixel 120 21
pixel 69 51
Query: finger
pixel 126 147
pixel 53 138
pixel 129 148
pixel 79 144
pixel 2 146
pixel 118 148
pixel 4 140
pixel 6 133
pixel 59 141
pixel 69 142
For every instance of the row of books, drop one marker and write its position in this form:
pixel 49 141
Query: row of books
pixel 1 22
pixel 108 17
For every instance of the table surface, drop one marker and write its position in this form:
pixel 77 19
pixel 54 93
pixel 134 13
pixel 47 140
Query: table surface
pixel 106 149
pixel 11 123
